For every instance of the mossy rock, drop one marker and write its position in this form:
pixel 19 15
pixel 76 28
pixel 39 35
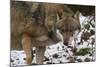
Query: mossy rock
pixel 93 25
pixel 79 60
pixel 82 52
pixel 56 56
pixel 92 32
pixel 72 61
pixel 87 26
pixel 87 59
pixel 86 35
pixel 11 60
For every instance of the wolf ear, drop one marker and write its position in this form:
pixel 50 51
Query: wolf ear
pixel 76 15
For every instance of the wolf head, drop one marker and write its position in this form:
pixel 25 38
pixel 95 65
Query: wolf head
pixel 68 25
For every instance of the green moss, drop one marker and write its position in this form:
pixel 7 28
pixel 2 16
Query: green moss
pixel 83 51
pixel 92 32
pixel 87 26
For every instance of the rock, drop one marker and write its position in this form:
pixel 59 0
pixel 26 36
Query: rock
pixel 79 43
pixel 79 60
pixel 87 26
pixel 24 58
pixel 87 59
pixel 74 50
pixel 34 64
pixel 64 55
pixel 17 59
pixel 66 50
pixel 49 63
pixel 69 58
pixel 55 56
pixel 92 32
pixel 11 60
pixel 72 61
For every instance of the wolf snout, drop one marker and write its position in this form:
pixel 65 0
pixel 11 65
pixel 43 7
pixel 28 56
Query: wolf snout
pixel 65 42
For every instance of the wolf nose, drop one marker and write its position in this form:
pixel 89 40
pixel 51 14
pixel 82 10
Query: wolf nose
pixel 65 43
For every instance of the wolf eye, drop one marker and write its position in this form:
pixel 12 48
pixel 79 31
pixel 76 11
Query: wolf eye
pixel 72 16
pixel 62 31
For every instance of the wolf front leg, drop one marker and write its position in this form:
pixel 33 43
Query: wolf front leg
pixel 40 54
pixel 26 44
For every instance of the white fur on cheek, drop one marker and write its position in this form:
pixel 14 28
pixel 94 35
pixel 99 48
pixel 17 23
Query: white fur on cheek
pixel 59 35
pixel 71 41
